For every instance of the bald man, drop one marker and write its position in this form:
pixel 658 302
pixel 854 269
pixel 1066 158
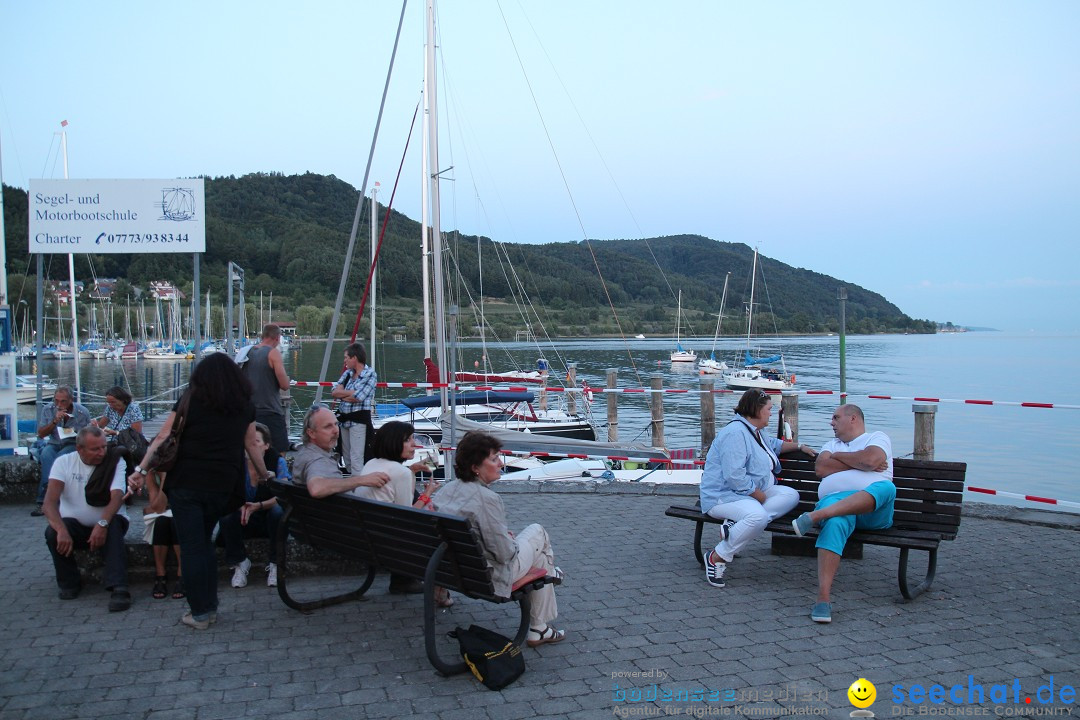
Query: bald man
pixel 856 492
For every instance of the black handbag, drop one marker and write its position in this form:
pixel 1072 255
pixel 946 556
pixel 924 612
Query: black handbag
pixel 135 443
pixel 168 451
pixel 493 658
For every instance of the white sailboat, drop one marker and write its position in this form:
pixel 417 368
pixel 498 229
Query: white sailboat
pixel 681 354
pixel 710 365
pixel 753 373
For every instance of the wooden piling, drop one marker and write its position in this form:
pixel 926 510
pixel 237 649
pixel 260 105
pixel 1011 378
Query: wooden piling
pixel 708 415
pixel 789 404
pixel 924 431
pixel 657 403
pixel 612 406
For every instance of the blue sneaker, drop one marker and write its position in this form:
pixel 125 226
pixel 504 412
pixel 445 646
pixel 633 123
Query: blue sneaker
pixel 802 524
pixel 714 571
pixel 821 613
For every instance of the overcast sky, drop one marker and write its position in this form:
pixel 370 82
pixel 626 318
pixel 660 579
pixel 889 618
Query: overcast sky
pixel 929 151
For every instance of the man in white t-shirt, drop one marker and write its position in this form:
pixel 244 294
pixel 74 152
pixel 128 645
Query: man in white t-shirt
pixel 75 523
pixel 856 492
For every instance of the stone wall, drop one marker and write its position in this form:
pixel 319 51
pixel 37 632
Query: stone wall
pixel 18 479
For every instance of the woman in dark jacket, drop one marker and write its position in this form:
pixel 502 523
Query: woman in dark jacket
pixel 206 483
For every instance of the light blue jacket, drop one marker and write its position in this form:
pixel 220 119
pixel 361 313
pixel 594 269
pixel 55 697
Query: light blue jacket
pixel 736 465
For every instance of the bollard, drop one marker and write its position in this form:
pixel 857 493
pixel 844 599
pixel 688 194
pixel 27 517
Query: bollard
pixel 789 413
pixel 924 431
pixel 657 404
pixel 571 382
pixel 612 406
pixel 708 416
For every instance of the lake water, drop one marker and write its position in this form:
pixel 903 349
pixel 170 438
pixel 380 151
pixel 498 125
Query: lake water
pixel 1014 449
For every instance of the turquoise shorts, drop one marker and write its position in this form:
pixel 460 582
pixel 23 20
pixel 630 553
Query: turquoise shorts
pixel 836 531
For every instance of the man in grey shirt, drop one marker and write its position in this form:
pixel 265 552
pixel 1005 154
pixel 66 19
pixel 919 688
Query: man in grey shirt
pixel 266 371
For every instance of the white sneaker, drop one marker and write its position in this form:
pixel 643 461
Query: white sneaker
pixel 239 578
pixel 271 575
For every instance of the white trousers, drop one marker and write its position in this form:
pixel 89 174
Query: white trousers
pixel 751 517
pixel 352 446
pixel 534 550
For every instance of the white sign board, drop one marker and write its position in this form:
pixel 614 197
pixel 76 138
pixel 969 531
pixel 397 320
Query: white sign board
pixel 117 216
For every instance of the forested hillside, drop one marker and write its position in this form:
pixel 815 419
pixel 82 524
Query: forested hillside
pixel 289 233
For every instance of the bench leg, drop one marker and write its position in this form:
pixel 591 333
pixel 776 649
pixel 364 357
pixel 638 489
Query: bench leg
pixel 699 553
pixel 283 576
pixel 911 593
pixel 441 666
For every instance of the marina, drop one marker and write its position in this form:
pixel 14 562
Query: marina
pixel 995 441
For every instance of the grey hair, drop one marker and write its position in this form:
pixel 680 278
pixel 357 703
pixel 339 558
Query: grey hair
pixel 89 431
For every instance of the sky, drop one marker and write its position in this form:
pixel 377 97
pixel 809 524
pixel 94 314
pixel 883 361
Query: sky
pixel 927 151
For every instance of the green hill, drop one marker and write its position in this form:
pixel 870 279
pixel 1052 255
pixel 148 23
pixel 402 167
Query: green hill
pixel 289 233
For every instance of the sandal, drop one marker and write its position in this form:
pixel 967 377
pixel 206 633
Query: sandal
pixel 545 636
pixel 442 598
pixel 178 589
pixel 159 590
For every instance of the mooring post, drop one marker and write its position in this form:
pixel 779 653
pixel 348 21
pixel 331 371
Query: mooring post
pixel 612 406
pixel 789 406
pixel 657 403
pixel 708 415
pixel 924 431
pixel 571 382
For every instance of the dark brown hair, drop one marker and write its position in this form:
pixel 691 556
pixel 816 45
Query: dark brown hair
pixel 751 401
pixel 472 450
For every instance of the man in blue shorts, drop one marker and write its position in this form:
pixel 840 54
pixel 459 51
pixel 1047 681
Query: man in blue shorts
pixel 856 492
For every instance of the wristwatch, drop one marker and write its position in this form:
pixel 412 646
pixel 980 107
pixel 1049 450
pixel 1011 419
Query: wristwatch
pixel 140 470
pixel 103 523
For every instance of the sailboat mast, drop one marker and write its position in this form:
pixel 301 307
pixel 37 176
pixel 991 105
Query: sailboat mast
pixel 433 170
pixel 750 314
pixel 720 318
pixel 375 274
pixel 425 240
pixel 71 280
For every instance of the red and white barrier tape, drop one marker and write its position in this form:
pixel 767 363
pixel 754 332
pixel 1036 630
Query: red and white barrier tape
pixel 1030 498
pixel 685 391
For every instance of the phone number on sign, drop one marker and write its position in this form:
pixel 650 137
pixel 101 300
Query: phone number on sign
pixel 138 238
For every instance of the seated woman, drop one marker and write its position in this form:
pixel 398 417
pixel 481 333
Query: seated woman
pixel 120 414
pixel 392 447
pixel 258 516
pixel 478 464
pixel 160 533
pixel 739 481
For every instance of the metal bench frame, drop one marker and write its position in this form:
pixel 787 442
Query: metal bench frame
pixel 440 549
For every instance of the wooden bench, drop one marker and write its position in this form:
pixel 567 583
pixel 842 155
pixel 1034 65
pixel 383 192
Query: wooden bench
pixel 439 549
pixel 928 498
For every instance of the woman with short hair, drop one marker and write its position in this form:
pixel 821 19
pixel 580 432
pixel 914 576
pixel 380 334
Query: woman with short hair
pixel 478 464
pixel 739 481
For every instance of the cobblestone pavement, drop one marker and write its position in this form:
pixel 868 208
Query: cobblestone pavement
pixel 640 620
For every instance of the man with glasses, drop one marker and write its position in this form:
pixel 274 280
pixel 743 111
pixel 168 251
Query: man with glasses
pixel 314 463
pixel 856 492
pixel 59 422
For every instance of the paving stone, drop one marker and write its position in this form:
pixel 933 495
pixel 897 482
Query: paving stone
pixel 643 606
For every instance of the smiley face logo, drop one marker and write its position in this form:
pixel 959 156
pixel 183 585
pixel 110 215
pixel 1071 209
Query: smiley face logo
pixel 862 693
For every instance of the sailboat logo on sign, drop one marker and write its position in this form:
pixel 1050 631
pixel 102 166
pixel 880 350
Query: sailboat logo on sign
pixel 177 204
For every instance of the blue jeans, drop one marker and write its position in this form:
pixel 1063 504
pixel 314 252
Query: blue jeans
pixel 48 456
pixel 114 551
pixel 195 513
pixel 260 524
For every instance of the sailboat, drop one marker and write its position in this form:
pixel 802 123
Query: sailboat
pixel 679 354
pixel 753 374
pixel 710 365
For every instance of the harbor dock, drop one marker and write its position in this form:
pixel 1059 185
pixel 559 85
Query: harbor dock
pixel 641 623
